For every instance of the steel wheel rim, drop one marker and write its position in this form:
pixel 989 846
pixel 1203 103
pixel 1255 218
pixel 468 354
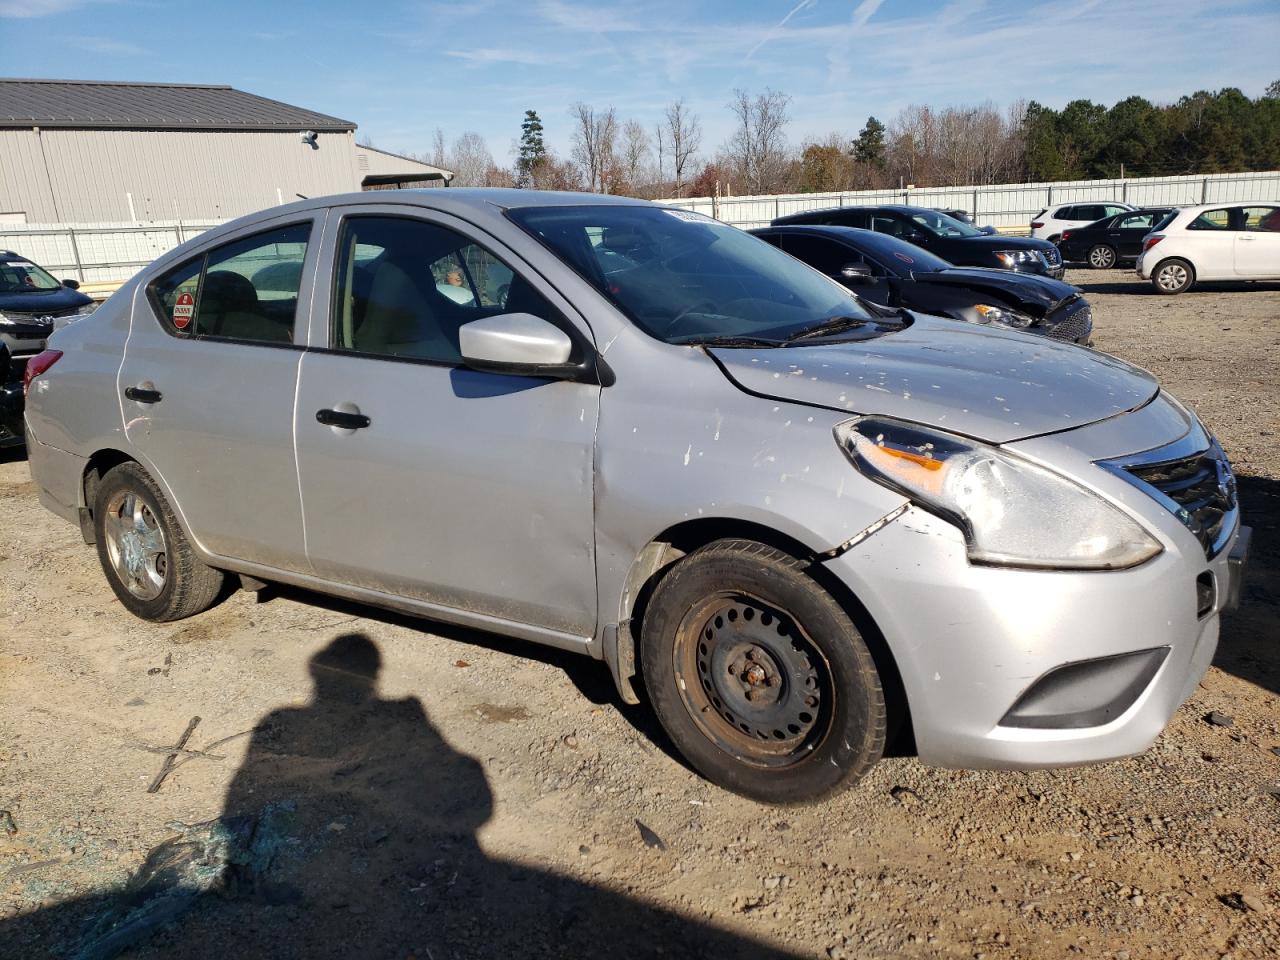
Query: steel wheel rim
pixel 1101 257
pixel 753 681
pixel 1172 277
pixel 136 545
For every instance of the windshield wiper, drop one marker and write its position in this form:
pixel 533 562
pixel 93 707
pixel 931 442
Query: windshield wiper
pixel 826 328
pixel 728 341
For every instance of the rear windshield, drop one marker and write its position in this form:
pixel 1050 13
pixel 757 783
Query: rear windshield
pixel 685 278
pixel 23 276
pixel 1164 221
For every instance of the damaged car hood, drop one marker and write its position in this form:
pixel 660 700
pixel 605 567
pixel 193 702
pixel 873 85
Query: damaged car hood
pixel 992 384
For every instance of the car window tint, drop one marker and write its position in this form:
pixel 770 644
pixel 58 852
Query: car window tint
pixel 1212 220
pixel 405 286
pixel 1065 213
pixel 249 290
pixel 1263 219
pixel 819 253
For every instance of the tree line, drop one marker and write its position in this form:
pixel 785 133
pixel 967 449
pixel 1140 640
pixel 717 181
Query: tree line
pixel 1205 132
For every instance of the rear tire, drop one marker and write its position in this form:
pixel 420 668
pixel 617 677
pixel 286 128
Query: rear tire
pixel 759 676
pixel 144 553
pixel 1102 257
pixel 1173 276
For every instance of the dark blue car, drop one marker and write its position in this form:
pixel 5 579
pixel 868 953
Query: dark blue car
pixel 32 303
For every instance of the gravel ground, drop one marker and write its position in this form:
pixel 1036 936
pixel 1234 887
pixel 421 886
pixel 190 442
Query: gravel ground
pixel 485 798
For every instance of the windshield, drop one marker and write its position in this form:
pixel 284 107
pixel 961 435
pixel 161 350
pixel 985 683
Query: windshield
pixel 939 223
pixel 685 278
pixel 23 276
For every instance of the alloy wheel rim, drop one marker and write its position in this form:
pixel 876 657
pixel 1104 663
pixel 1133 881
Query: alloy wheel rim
pixel 1101 257
pixel 753 681
pixel 136 545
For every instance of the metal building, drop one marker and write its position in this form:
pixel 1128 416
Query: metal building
pixel 74 151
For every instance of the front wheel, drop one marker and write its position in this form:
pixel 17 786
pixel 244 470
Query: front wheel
pixel 143 551
pixel 759 676
pixel 1102 257
pixel 1173 276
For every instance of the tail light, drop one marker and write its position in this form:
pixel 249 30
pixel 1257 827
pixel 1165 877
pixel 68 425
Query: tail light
pixel 1150 242
pixel 38 365
pixel 1036 224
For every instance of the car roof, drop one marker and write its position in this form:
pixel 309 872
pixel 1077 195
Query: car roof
pixel 1201 207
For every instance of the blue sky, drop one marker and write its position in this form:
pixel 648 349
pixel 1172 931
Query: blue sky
pixel 400 68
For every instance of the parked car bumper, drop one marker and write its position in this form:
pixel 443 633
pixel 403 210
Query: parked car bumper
pixel 981 649
pixel 12 402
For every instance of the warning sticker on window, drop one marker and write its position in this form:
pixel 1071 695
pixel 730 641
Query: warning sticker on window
pixel 183 309
pixel 689 216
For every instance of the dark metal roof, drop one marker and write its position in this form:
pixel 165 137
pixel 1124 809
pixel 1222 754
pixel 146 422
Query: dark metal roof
pixel 88 104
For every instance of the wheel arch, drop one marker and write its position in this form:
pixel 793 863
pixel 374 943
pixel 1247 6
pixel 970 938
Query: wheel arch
pixel 95 469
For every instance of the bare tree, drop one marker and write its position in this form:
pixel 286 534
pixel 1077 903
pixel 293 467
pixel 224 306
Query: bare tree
pixel 595 138
pixel 683 135
pixel 633 153
pixel 438 157
pixel 471 161
pixel 758 148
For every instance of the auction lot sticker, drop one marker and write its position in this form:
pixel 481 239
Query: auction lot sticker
pixel 183 308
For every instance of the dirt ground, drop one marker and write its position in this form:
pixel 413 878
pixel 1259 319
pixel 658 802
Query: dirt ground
pixel 436 793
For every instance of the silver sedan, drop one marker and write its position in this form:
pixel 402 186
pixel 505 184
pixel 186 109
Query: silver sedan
pixel 793 520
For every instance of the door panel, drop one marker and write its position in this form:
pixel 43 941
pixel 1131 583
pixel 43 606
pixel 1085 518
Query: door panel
pixel 466 489
pixel 214 416
pixel 1257 246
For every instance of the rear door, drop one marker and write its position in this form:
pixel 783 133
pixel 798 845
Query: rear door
pixel 428 480
pixel 1257 244
pixel 207 387
pixel 1126 232
pixel 1209 243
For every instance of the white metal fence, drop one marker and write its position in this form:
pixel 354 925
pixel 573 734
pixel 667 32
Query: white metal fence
pixel 1002 205
pixel 113 252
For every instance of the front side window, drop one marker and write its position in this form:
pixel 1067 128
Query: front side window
pixel 1212 220
pixel 1262 219
pixel 405 286
pixel 685 278
pixel 826 256
pixel 244 290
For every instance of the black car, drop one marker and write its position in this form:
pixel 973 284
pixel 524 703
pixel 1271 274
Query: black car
pixel 1108 241
pixel 953 240
pixel 889 271
pixel 32 304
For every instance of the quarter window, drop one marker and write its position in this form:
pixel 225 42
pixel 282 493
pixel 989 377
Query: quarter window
pixel 1262 219
pixel 244 290
pixel 1212 220
pixel 404 287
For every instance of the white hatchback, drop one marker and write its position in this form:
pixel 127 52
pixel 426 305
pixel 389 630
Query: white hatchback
pixel 1049 223
pixel 1224 241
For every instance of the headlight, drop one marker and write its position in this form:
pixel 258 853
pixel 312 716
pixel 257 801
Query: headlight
pixel 1012 512
pixel 1012 258
pixel 986 313
pixel 88 308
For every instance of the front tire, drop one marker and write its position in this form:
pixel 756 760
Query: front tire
pixel 1102 257
pixel 1173 276
pixel 760 677
pixel 144 553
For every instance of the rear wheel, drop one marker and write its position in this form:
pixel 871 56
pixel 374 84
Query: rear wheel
pixel 144 553
pixel 1102 257
pixel 1173 276
pixel 759 677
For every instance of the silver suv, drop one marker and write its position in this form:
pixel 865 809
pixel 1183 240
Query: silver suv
pixel 795 520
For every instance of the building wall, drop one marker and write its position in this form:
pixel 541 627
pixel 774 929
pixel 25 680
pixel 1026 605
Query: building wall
pixel 78 176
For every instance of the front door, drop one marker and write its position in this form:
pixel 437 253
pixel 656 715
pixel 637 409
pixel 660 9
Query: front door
pixel 422 478
pixel 207 389
pixel 1257 244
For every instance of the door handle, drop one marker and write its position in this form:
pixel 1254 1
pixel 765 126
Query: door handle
pixel 143 394
pixel 337 418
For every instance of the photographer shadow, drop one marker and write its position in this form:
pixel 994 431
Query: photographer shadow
pixel 352 827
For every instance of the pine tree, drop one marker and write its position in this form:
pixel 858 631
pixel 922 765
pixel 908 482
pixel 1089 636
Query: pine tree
pixel 533 151
pixel 869 147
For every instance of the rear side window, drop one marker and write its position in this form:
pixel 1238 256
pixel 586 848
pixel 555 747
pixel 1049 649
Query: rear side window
pixel 1135 221
pixel 244 290
pixel 1066 213
pixel 1212 220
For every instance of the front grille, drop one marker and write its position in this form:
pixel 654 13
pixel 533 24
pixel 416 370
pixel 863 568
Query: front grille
pixel 1072 322
pixel 28 316
pixel 1200 490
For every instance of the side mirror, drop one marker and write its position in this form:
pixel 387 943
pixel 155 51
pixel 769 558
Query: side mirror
pixel 989 231
pixel 517 343
pixel 856 273
pixel 71 284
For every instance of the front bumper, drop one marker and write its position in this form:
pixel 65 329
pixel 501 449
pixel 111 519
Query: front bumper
pixel 970 641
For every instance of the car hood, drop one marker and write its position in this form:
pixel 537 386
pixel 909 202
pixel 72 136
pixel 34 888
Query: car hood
pixel 43 302
pixel 992 384
pixel 1025 287
pixel 995 241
